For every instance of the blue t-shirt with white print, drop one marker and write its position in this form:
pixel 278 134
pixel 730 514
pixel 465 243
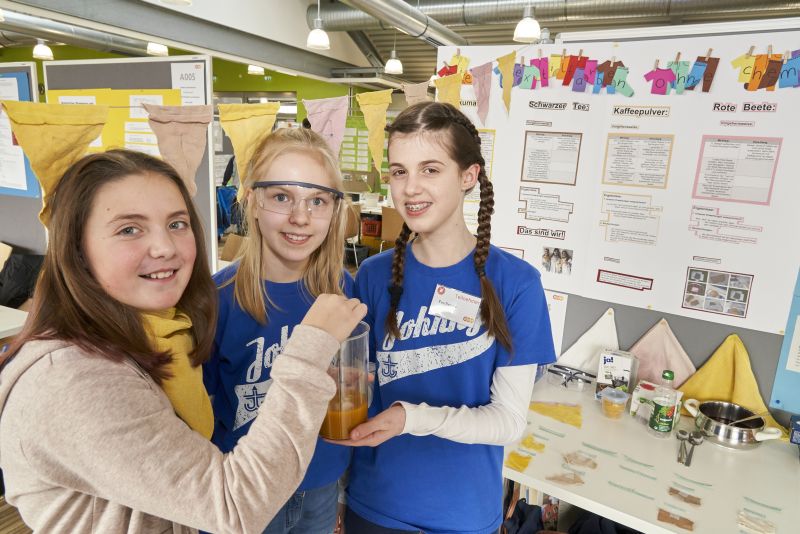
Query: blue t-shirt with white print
pixel 429 483
pixel 238 373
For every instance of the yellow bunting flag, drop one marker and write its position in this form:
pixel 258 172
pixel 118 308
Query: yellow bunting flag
pixel 449 90
pixel 181 132
pixel 506 66
pixel 373 106
pixel 246 125
pixel 54 136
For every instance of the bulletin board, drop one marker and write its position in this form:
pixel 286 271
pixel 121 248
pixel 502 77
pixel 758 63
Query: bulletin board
pixel 21 202
pixel 673 199
pixel 17 82
pixel 786 388
pixel 124 84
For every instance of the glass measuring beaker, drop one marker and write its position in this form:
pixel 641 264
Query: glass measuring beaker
pixel 349 368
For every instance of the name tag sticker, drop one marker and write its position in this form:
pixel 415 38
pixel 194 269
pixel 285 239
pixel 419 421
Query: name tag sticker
pixel 455 305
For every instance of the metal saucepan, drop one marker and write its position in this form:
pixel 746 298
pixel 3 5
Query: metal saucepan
pixel 714 419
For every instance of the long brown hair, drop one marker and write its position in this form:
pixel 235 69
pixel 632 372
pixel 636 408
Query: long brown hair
pixel 460 137
pixel 323 272
pixel 69 304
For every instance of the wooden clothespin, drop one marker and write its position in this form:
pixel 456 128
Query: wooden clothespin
pixel 563 52
pixel 613 60
pixel 708 54
pixel 523 60
pixel 540 53
pixel 580 53
pixel 785 57
pixel 445 63
pixel 458 51
pixel 750 52
pixel 677 57
pixel 769 50
pixel 655 67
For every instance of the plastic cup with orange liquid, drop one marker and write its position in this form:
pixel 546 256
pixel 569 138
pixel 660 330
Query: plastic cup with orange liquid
pixel 350 369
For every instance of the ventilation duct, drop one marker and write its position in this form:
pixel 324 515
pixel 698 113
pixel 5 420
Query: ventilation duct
pixel 340 17
pixel 68 34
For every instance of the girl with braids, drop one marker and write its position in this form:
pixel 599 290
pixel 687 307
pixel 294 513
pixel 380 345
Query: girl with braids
pixel 458 328
pixel 295 216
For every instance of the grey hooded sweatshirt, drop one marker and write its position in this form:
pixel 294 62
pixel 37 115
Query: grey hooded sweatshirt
pixel 88 445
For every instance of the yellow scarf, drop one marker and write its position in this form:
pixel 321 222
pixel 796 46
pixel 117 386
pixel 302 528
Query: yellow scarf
pixel 170 330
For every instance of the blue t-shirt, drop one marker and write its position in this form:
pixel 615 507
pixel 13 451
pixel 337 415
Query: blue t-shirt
pixel 429 483
pixel 238 372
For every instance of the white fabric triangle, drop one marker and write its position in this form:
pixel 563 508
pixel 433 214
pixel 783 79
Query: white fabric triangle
pixel 585 352
pixel 658 350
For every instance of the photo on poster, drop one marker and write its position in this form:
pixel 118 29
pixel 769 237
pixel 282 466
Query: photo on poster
pixel 717 291
pixel 551 157
pixel 556 260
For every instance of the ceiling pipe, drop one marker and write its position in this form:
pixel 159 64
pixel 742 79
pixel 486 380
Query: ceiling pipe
pixel 339 17
pixel 72 35
pixel 367 48
pixel 408 20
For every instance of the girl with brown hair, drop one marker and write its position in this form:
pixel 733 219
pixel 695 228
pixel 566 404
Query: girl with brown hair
pixel 458 328
pixel 295 215
pixel 89 440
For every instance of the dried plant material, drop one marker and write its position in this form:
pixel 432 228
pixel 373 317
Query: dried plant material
pixel 754 524
pixel 581 459
pixel 673 519
pixel 568 478
pixel 530 443
pixel 685 497
pixel 517 462
pixel 566 413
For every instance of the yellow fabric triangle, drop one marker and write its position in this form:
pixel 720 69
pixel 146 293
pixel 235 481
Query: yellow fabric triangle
pixel 727 376
pixel 246 125
pixel 506 66
pixel 170 330
pixel 449 89
pixel 54 136
pixel 373 106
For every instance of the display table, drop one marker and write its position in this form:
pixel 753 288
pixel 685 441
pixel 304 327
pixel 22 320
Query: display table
pixel 635 471
pixel 11 321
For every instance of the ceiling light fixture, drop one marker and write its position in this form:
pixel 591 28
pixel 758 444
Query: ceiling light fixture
pixel 317 38
pixel 393 65
pixel 255 70
pixel 42 51
pixel 545 37
pixel 157 49
pixel 527 30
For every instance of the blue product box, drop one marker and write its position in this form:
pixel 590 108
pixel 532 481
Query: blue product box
pixel 794 429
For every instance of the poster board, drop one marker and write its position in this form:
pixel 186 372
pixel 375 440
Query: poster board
pixel 669 202
pixel 786 388
pixel 123 83
pixel 17 82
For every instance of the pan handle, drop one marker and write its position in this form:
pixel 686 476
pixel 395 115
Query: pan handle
pixel 768 433
pixel 692 406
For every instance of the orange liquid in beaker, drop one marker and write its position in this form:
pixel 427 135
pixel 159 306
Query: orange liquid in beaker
pixel 345 412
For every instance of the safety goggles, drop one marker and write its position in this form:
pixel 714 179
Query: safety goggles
pixel 568 377
pixel 284 197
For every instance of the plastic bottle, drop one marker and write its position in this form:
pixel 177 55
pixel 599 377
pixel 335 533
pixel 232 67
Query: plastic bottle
pixel 664 400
